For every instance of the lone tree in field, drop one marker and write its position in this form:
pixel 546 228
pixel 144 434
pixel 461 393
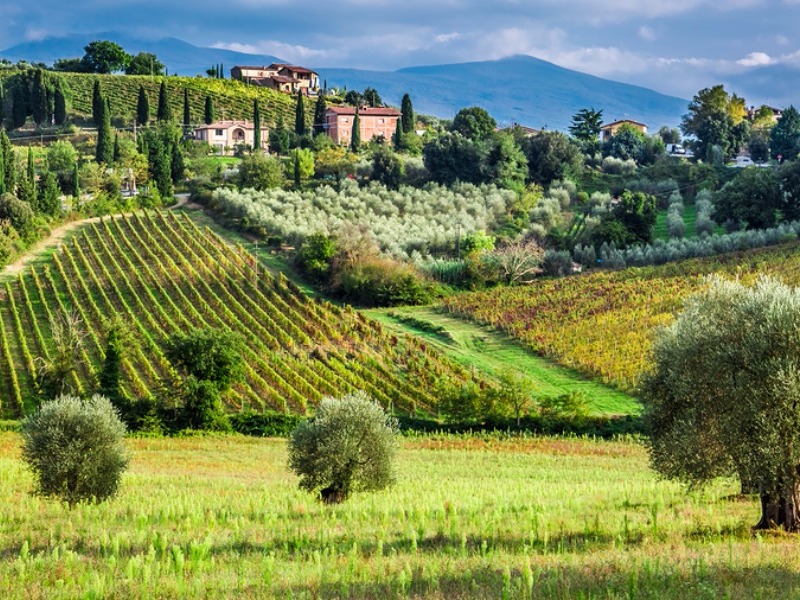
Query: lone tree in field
pixel 142 107
pixel 75 449
pixel 723 396
pixel 348 446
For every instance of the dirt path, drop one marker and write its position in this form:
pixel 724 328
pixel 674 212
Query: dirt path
pixel 57 235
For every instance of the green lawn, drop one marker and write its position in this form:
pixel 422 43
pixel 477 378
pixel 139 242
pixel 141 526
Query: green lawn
pixel 492 352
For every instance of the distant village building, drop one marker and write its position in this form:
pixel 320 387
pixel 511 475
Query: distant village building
pixel 279 76
pixel 753 112
pixel 373 123
pixel 611 129
pixel 225 136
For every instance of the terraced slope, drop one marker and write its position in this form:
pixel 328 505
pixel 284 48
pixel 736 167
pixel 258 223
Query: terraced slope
pixel 602 323
pixel 163 274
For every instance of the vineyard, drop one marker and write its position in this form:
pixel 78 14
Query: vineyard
pixel 602 323
pixel 162 274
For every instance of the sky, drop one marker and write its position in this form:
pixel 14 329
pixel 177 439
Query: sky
pixel 675 47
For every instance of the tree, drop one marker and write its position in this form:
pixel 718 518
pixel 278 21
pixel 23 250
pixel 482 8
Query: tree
pixel 158 145
pixel 187 113
pixel 669 135
pixel 260 172
pixel 103 56
pixel 397 138
pixel 279 138
pixel 320 107
pixel 507 165
pixel 118 340
pixel 585 127
pixel 387 168
pixel 721 397
pixel 407 110
pixel 60 157
pixel 335 161
pixel 514 395
pixel 98 103
pixel 452 157
pixel 70 65
pixel 637 212
pixel 55 372
pixel 75 449
pixel 164 111
pixel 551 156
pixel 716 119
pixel 142 107
pixel 49 196
pixel 372 98
pixel 104 152
pixel 256 127
pixel 518 262
pixel 177 164
pixel 355 134
pixel 348 446
pixel 758 146
pixel 627 144
pixel 750 200
pixel 209 114
pixel 353 98
pixel 474 123
pixel 8 162
pixel 315 256
pixel 784 139
pixel 19 106
pixel 60 104
pixel 39 98
pixel 145 63
pixel 302 164
pixel 300 115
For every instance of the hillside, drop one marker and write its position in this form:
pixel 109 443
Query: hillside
pixel 162 274
pixel 602 323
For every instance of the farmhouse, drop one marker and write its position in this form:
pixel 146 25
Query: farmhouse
pixel 227 135
pixel 373 123
pixel 610 130
pixel 279 76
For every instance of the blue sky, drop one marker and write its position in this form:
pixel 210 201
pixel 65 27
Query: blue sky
pixel 675 46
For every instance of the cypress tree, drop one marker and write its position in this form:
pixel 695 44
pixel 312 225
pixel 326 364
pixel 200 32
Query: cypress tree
pixel 160 167
pixel 2 175
pixel 398 135
pixel 187 117
pixel 256 127
pixel 31 170
pixel 97 102
pixel 164 112
pixel 19 109
pixel 407 109
pixel 221 71
pixel 8 162
pixel 2 103
pixel 116 147
pixel 105 144
pixel 39 98
pixel 109 376
pixel 76 182
pixel 355 136
pixel 300 115
pixel 209 116
pixel 142 107
pixel 177 166
pixel 49 203
pixel 60 104
pixel 319 115
pixel 297 177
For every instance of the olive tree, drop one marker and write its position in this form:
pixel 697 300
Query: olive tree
pixel 75 449
pixel 723 395
pixel 348 446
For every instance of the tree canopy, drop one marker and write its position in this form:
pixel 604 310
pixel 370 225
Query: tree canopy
pixel 474 123
pixel 103 56
pixel 145 63
pixel 784 139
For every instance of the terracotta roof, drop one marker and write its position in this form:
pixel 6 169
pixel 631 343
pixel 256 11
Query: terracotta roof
pixel 297 69
pixel 283 79
pixel 620 122
pixel 349 110
pixel 262 68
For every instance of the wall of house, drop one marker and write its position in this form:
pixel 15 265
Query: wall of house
pixel 340 127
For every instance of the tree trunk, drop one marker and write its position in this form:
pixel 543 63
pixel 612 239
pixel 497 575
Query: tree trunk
pixel 332 495
pixel 781 510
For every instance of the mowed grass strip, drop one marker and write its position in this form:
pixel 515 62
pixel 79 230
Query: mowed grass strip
pixel 493 352
pixel 469 517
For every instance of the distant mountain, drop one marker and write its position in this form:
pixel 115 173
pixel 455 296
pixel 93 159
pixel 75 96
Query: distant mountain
pixel 517 89
pixel 180 58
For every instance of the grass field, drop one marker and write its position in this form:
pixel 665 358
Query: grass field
pixel 492 352
pixel 469 517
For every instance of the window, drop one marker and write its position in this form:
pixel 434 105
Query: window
pixel 345 120
pixel 219 132
pixel 380 121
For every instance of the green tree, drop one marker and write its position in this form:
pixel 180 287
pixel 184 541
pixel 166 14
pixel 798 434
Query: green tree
pixel 750 200
pixel 452 157
pixel 507 165
pixel 115 153
pixel 551 156
pixel 118 342
pixel 75 449
pixel 104 152
pixel 348 446
pixel 353 98
pixel 103 56
pixel 397 138
pixel 260 172
pixel 142 107
pixel 159 158
pixel 60 158
pixel 19 106
pixel 316 255
pixel 145 63
pixel 716 119
pixel 279 138
pixel 784 139
pixel 720 399
pixel 319 115
pixel 98 103
pixel 8 163
pixel 300 115
pixel 371 97
pixel 585 127
pixel 55 371
pixel 407 110
pixel 355 134
pixel 474 123
pixel 209 114
pixel 387 168
pixel 302 164
pixel 60 104
pixel 627 144
pixel 49 195
pixel 177 162
pixel 164 111
pixel 256 127
pixel 208 354
pixel 335 161
pixel 39 98
pixel 637 212
pixel 187 113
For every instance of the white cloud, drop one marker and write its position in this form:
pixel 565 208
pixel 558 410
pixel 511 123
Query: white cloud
pixel 290 52
pixel 755 59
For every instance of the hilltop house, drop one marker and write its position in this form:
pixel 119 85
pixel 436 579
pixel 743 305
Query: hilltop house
pixel 373 123
pixel 227 135
pixel 611 129
pixel 279 76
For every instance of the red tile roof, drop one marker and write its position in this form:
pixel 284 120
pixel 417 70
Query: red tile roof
pixel 349 110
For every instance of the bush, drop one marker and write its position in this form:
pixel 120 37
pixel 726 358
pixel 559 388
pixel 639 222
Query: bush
pixel 348 446
pixel 74 448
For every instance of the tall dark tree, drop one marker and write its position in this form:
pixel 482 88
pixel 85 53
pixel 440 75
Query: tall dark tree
pixel 355 135
pixel 9 163
pixel 109 378
pixel 2 104
pixel 784 139
pixel 164 110
pixel 407 110
pixel 209 113
pixel 398 135
pixel 750 200
pixel 256 127
pixel 300 115
pixel 177 164
pixel 319 115
pixel 159 160
pixel 19 107
pixel 59 104
pixel 76 182
pixel 187 114
pixel 279 138
pixel 97 103
pixel 49 200
pixel 115 153
pixel 104 153
pixel 142 107
pixel 39 98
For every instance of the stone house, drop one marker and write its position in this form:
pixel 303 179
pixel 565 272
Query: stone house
pixel 610 130
pixel 225 136
pixel 373 123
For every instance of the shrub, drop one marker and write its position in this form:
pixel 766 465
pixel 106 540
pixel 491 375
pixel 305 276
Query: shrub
pixel 348 446
pixel 74 448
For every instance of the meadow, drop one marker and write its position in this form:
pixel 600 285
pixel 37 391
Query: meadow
pixel 469 517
